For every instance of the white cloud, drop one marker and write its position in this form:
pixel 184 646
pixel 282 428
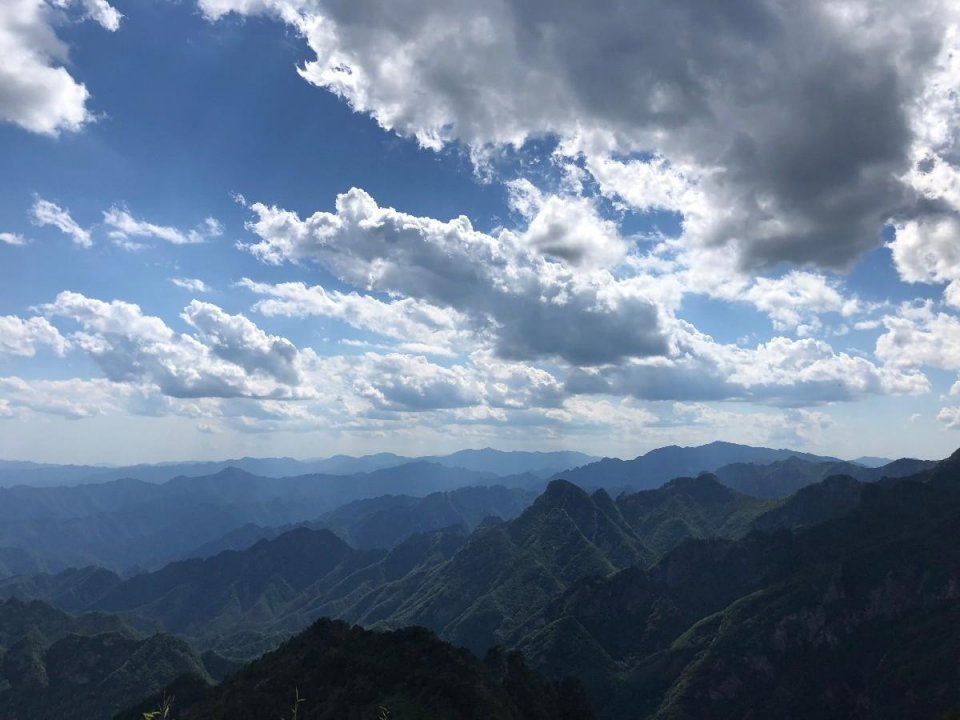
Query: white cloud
pixel 45 212
pixel 79 398
pixel 192 284
pixel 532 307
pixel 22 337
pixel 649 183
pixel 780 371
pixel 36 91
pixel 237 340
pixel 572 230
pixel 7 238
pixel 520 305
pixel 228 357
pixel 918 336
pixel 793 428
pixel 99 11
pixel 73 399
pixel 950 416
pixel 124 226
pixel 927 250
pixel 796 300
pixel 405 382
pixel 418 326
pixel 780 129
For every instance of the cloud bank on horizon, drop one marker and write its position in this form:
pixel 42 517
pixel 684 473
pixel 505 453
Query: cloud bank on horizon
pixel 736 221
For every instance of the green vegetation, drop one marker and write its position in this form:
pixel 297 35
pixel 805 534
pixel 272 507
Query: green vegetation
pixel 90 666
pixel 692 600
pixel 347 673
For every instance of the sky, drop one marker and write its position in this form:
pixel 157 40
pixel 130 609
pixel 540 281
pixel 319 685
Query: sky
pixel 309 227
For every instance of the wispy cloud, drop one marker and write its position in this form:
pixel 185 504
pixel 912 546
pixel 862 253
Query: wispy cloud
pixel 45 212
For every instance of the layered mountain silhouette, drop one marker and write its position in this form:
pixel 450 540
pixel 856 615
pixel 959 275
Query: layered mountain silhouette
pixel 384 521
pixel 691 600
pixel 333 670
pixel 760 471
pixel 784 477
pixel 487 460
pixel 656 467
pixel 475 589
pixel 852 617
pixel 128 523
pixel 90 666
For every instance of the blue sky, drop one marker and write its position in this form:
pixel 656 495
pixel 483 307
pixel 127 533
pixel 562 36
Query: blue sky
pixel 296 227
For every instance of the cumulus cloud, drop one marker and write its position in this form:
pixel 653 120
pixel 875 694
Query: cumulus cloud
pixel 36 91
pixel 920 336
pixel 228 357
pixel 8 238
pixel 780 372
pixel 927 250
pixel 237 340
pixel 572 230
pixel 124 226
pixel 798 299
pixel 530 305
pixel 793 122
pixel 511 304
pixel 22 337
pixel 45 212
pixel 950 416
pixel 411 383
pixel 99 11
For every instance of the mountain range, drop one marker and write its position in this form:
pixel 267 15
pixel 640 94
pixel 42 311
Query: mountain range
pixel 487 460
pixel 474 589
pixel 656 467
pixel 839 601
pixel 814 594
pixel 125 523
pixel 333 670
pixel 57 665
pixel 128 525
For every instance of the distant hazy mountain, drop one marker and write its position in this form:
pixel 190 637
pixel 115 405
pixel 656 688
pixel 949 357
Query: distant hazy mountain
pixel 21 561
pixel 349 465
pixel 872 461
pixel 241 602
pixel 495 462
pixel 384 521
pixel 542 464
pixel 279 585
pixel 785 477
pixel 658 466
pixel 123 523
